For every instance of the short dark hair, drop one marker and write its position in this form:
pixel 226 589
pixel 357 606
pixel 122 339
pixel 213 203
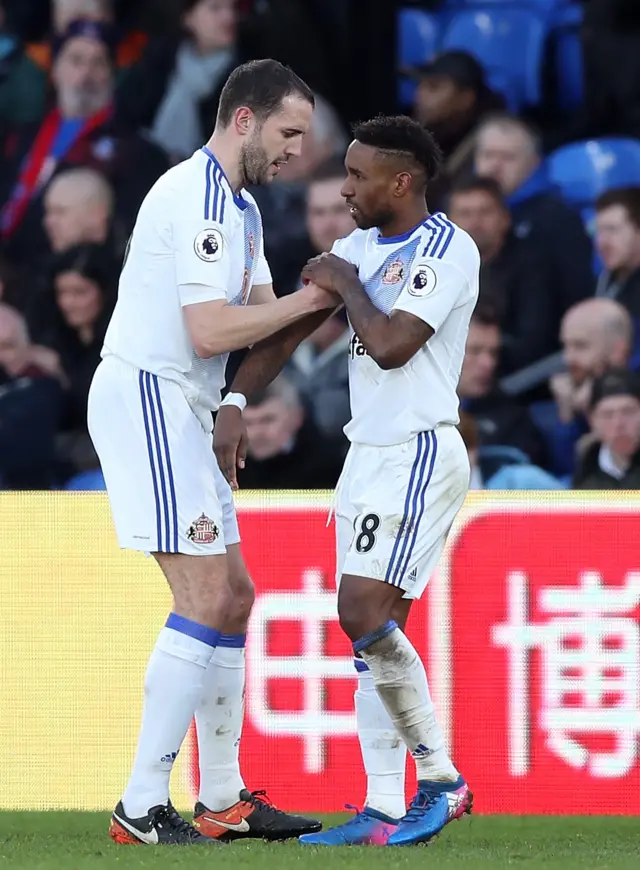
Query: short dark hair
pixel 486 314
pixel 331 170
pixel 627 197
pixel 93 262
pixel 483 185
pixel 260 85
pixel 401 136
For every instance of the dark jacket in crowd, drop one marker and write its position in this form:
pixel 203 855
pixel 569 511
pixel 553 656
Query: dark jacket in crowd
pixel 519 285
pixel 30 413
pixel 501 422
pixel 590 476
pixel 323 382
pixel 314 462
pixel 626 291
pixel 458 142
pixel 558 234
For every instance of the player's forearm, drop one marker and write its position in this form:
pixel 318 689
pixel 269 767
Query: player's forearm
pixel 372 326
pixel 237 327
pixel 265 360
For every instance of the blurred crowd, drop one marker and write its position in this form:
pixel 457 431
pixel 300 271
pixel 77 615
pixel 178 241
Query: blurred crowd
pixel 98 98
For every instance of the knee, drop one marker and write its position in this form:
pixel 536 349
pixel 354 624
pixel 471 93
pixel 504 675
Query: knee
pixel 364 606
pixel 355 614
pixel 243 595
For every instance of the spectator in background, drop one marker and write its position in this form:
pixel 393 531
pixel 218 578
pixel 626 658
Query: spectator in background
pixel 500 468
pixel 78 209
pixel 451 99
pixel 320 370
pixel 327 218
pixel 30 409
pixel 23 96
pixel 509 151
pixel 175 88
pixel 78 131
pixel 84 286
pixel 596 335
pixel 500 420
pixel 516 279
pixel 285 449
pixel 618 243
pixel 128 45
pixel 612 460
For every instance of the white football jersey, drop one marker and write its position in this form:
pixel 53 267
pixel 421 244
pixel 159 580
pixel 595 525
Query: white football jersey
pixel 433 273
pixel 194 240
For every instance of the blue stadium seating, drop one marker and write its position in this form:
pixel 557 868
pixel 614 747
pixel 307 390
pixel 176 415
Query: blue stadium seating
pixel 565 32
pixel 418 39
pixel 86 481
pixel 584 170
pixel 530 4
pixel 509 42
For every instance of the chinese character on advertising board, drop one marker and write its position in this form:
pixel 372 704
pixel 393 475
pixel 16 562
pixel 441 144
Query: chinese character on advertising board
pixel 590 649
pixel 544 656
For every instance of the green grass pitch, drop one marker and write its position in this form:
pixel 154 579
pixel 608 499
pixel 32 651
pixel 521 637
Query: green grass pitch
pixel 78 841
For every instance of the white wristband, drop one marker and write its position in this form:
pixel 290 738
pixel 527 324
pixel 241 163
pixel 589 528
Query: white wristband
pixel 236 399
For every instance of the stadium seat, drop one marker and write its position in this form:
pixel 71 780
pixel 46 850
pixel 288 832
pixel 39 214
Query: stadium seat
pixel 560 438
pixel 509 42
pixel 86 481
pixel 566 45
pixel 418 39
pixel 584 170
pixel 527 4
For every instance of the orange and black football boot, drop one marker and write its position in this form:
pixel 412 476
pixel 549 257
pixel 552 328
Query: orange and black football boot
pixel 252 817
pixel 162 826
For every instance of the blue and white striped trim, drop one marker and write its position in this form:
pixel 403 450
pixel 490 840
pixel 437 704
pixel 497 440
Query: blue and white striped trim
pixel 160 461
pixel 421 474
pixel 215 195
pixel 442 232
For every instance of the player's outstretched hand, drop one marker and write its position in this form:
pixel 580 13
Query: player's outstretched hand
pixel 230 442
pixel 319 298
pixel 328 272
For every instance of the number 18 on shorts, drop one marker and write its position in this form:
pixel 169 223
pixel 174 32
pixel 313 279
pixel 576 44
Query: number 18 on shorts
pixel 395 506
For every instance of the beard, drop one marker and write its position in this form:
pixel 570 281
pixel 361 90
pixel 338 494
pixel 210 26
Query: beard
pixel 84 100
pixel 254 162
pixel 378 219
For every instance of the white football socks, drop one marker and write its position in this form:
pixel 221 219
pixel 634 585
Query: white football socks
pixel 383 752
pixel 219 718
pixel 173 687
pixel 401 682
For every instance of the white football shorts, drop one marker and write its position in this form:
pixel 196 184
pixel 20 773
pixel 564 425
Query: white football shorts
pixel 395 506
pixel 165 489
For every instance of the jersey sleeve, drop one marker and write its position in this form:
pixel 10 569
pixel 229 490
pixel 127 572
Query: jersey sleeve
pixel 344 249
pixel 432 291
pixel 263 272
pixel 202 260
